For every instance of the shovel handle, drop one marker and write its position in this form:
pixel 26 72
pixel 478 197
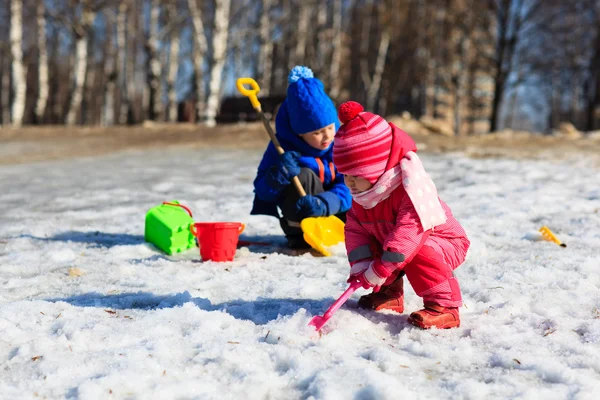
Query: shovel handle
pixel 251 94
pixel 342 299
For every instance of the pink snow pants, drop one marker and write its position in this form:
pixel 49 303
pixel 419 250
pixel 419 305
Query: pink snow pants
pixel 432 278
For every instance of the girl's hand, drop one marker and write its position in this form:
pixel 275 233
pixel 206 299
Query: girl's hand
pixel 357 269
pixel 367 273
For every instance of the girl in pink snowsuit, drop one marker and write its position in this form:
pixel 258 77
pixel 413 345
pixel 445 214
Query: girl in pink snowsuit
pixel 397 224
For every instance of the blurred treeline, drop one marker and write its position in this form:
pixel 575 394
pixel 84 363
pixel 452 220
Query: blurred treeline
pixel 474 65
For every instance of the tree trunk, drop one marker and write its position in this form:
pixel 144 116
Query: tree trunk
pixel 153 64
pixel 110 75
pixel 592 101
pixel 320 43
pixel 5 89
pixel 364 45
pixel 375 81
pixel 302 33
pixel 461 103
pixel 173 67
pixel 81 55
pixel 87 110
pixel 42 101
pixel 135 25
pixel 237 43
pixel 503 57
pixel 266 48
pixel 220 33
pixel 200 47
pixel 19 73
pixel 592 85
pixel 439 67
pixel 555 98
pixel 283 60
pixel 122 62
pixel 336 55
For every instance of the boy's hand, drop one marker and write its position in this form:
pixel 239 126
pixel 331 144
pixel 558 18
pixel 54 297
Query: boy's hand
pixel 310 206
pixel 281 174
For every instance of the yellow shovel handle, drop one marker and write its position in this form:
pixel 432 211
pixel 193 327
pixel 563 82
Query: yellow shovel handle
pixel 250 93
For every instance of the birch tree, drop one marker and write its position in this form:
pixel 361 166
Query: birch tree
pixel 110 73
pixel 460 75
pixel 375 81
pixel 18 68
pixel 173 67
pixel 302 33
pixel 321 42
pixel 5 65
pixel 5 88
pixel 281 54
pixel 591 87
pixel 90 94
pixel 80 29
pixel 220 34
pixel 336 55
pixel 42 101
pixel 121 64
pixel 372 82
pixel 153 62
pixel 266 47
pixel 365 43
pixel 200 48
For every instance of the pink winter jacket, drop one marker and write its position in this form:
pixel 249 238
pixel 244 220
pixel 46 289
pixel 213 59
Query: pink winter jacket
pixel 391 233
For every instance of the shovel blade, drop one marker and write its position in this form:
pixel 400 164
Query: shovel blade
pixel 323 232
pixel 318 322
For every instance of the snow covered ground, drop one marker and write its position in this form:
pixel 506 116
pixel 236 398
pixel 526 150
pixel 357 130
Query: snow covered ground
pixel 89 310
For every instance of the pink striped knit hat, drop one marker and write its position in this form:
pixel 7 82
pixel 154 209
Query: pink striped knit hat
pixel 362 144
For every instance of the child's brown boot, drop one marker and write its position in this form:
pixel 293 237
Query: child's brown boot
pixel 437 316
pixel 388 298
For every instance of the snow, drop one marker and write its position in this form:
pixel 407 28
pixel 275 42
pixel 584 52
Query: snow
pixel 89 310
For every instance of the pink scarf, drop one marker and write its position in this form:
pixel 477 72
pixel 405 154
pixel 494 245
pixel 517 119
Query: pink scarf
pixel 418 185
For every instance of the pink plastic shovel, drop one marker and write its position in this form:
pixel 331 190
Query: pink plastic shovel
pixel 318 321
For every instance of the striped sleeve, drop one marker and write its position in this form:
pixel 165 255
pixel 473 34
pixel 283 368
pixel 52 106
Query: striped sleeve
pixel 357 239
pixel 405 240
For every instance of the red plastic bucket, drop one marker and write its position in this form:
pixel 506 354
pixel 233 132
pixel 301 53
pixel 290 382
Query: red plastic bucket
pixel 217 240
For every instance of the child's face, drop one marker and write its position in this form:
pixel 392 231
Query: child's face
pixel 321 138
pixel 357 184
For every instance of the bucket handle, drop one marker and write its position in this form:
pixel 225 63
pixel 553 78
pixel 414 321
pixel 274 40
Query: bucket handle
pixel 195 233
pixel 179 205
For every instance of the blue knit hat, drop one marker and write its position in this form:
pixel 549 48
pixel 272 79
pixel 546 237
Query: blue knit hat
pixel 309 107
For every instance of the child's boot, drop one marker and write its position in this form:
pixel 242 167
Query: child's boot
pixel 434 315
pixel 388 298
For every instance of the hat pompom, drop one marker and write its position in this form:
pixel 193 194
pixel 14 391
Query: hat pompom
pixel 349 110
pixel 298 72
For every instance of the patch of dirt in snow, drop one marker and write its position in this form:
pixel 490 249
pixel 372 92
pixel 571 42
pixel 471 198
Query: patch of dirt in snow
pixel 35 143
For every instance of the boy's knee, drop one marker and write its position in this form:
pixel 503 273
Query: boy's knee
pixel 307 176
pixel 310 182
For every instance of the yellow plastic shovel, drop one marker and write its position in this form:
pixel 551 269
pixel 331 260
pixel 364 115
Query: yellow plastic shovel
pixel 319 232
pixel 548 235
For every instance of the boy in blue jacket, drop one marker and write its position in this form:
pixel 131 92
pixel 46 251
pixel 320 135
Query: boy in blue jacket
pixel 306 124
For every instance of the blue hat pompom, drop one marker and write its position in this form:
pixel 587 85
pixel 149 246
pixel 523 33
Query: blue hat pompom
pixel 298 72
pixel 309 107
